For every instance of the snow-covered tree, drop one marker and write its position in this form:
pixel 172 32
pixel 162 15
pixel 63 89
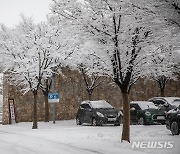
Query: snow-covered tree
pixel 163 66
pixel 82 62
pixel 167 58
pixel 91 81
pixel 117 43
pixel 119 35
pixel 24 68
pixel 31 52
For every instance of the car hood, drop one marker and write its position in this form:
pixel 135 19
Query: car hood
pixel 107 111
pixel 174 111
pixel 155 111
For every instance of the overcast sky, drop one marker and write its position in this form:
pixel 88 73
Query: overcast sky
pixel 10 10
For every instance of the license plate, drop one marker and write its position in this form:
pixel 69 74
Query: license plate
pixel 111 119
pixel 160 117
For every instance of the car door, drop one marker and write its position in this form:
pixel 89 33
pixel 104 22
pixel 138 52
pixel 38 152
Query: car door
pixel 87 113
pixel 81 112
pixel 133 113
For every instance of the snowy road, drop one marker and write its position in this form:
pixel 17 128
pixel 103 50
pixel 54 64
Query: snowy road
pixel 65 137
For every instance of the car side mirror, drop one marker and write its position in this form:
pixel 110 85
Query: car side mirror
pixel 81 108
pixel 132 109
pixel 89 109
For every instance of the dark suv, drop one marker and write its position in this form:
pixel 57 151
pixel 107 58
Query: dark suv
pixel 144 113
pixel 173 121
pixel 97 113
pixel 166 103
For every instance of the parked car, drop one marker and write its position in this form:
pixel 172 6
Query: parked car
pixel 173 121
pixel 166 103
pixel 144 113
pixel 97 113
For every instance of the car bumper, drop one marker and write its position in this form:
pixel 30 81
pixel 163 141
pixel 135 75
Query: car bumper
pixel 106 120
pixel 155 121
pixel 167 124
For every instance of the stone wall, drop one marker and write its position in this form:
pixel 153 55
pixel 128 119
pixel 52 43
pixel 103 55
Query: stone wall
pixel 72 91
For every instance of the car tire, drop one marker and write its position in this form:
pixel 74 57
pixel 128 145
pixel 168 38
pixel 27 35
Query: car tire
pixel 94 122
pixel 141 121
pixel 174 128
pixel 118 124
pixel 78 121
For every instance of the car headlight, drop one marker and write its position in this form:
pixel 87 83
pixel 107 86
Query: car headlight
pixel 99 114
pixel 147 113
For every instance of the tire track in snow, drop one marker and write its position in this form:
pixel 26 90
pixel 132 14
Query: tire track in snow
pixel 25 148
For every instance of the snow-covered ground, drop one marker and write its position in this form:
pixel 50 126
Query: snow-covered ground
pixel 65 137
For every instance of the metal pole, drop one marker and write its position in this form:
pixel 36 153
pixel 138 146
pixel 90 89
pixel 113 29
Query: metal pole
pixel 54 104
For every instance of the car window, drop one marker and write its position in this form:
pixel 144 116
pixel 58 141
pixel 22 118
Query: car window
pixel 176 102
pixel 147 105
pixel 158 102
pixel 82 106
pixel 100 104
pixel 136 106
pixel 85 106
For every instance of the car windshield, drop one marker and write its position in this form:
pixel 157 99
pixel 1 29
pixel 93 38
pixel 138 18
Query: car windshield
pixel 147 105
pixel 100 104
pixel 176 102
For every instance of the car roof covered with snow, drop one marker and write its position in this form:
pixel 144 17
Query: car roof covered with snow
pixel 169 100
pixel 98 104
pixel 144 104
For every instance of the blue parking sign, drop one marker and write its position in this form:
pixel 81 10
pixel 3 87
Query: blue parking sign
pixel 53 97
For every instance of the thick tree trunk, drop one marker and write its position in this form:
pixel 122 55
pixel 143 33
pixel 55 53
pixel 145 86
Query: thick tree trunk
pixel 126 118
pixel 90 96
pixel 35 126
pixel 46 116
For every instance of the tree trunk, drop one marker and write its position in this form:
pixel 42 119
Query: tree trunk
pixel 162 84
pixel 90 96
pixel 46 116
pixel 126 118
pixel 35 111
pixel 162 92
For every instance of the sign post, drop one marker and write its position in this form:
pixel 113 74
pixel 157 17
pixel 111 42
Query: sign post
pixel 12 111
pixel 53 98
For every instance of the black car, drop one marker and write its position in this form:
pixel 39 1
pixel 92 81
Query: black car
pixel 173 121
pixel 97 113
pixel 166 103
pixel 144 113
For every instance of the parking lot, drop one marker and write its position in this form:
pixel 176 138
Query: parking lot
pixel 65 137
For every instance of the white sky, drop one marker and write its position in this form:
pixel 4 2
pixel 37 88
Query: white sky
pixel 10 10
